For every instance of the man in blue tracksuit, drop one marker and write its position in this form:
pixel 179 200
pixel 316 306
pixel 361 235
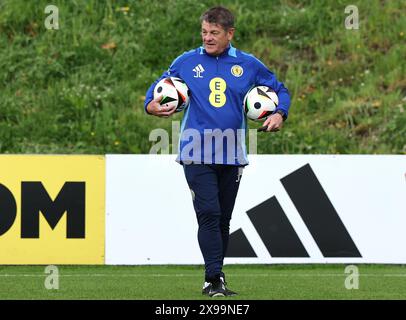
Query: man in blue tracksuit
pixel 212 146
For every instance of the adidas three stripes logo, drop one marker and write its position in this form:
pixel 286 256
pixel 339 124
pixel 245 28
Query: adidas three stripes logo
pixel 198 70
pixel 279 236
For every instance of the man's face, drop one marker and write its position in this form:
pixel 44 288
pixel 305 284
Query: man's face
pixel 215 38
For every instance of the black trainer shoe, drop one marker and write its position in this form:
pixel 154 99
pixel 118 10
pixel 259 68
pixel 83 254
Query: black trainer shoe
pixel 217 289
pixel 207 285
pixel 206 288
pixel 229 292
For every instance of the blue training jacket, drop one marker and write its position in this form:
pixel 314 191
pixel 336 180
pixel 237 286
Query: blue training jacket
pixel 214 125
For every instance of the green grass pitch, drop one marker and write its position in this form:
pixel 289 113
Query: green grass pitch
pixel 262 282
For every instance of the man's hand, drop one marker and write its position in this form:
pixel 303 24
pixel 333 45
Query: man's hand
pixel 273 123
pixel 155 108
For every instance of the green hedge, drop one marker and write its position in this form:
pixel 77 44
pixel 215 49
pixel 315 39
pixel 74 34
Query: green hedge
pixel 80 89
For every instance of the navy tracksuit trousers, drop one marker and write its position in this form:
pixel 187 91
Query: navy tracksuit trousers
pixel 214 189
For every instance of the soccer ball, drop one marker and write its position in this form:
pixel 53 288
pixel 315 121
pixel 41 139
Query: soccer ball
pixel 260 102
pixel 174 92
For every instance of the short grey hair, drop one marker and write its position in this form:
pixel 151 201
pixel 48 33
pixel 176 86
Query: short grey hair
pixel 219 15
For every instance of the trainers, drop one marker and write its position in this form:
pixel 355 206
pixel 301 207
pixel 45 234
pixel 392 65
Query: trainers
pixel 229 292
pixel 217 289
pixel 207 286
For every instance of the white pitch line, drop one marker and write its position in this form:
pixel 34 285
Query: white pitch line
pixel 198 276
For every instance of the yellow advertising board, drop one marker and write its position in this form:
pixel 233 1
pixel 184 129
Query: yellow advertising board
pixel 52 209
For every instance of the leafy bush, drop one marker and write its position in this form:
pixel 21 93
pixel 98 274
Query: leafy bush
pixel 80 89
